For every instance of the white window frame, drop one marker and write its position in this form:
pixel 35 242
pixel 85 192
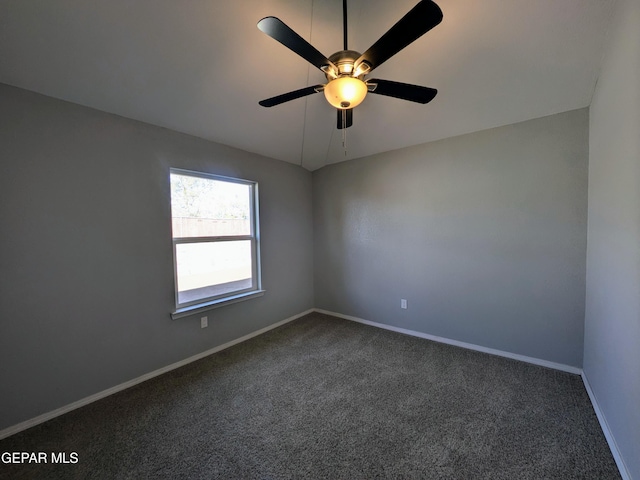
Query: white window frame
pixel 200 305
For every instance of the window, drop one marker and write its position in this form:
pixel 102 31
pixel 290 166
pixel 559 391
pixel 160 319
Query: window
pixel 216 248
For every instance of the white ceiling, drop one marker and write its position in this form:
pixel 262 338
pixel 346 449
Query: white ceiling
pixel 201 66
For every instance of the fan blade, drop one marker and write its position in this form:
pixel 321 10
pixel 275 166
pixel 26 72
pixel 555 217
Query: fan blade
pixel 405 91
pixel 347 120
pixel 420 19
pixel 278 30
pixel 285 97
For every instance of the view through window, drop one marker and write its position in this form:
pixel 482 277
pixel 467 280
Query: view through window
pixel 215 238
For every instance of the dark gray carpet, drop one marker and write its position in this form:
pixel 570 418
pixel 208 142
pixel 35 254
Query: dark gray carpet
pixel 331 399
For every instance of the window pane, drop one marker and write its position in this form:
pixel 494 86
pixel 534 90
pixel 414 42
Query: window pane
pixel 210 269
pixel 203 207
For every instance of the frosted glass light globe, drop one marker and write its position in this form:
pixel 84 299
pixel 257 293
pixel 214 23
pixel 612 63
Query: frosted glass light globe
pixel 345 92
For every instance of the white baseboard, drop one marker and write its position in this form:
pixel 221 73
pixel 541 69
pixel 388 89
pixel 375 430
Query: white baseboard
pixel 613 446
pixel 470 346
pixel 7 432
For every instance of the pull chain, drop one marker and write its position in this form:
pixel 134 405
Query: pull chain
pixel 344 131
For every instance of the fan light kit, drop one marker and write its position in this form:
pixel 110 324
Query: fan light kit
pixel 345 92
pixel 345 70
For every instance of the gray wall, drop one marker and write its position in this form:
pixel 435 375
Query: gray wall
pixel 483 234
pixel 86 282
pixel 612 327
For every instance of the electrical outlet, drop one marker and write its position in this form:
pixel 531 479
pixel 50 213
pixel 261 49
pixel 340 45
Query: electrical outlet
pixel 403 303
pixel 204 322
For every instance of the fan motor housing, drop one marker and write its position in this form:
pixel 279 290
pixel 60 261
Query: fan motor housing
pixel 344 60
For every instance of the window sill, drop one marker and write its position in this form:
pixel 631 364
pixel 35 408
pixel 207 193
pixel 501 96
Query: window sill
pixel 220 302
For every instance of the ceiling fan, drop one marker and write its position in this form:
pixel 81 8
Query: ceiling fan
pixel 345 70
